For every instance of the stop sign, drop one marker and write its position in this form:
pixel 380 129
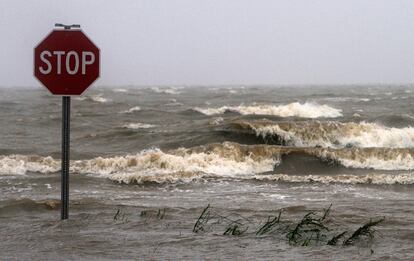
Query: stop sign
pixel 66 62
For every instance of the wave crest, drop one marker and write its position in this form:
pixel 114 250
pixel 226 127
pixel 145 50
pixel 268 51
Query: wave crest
pixel 225 160
pixel 331 134
pixel 295 109
pixel 21 164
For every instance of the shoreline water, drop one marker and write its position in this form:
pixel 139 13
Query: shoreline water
pixel 245 151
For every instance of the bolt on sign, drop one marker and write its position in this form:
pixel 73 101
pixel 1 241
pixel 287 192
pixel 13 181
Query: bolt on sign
pixel 66 62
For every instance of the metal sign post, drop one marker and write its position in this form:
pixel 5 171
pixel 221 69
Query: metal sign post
pixel 66 62
pixel 65 157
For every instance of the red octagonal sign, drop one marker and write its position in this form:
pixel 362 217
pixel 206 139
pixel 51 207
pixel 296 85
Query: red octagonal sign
pixel 66 62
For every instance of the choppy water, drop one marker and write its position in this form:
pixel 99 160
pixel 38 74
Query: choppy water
pixel 247 151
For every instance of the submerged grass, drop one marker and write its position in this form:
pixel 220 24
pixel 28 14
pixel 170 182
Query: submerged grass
pixel 334 240
pixel 202 220
pixel 311 229
pixel 120 216
pixel 235 230
pixel 161 213
pixel 314 228
pixel 269 225
pixel 364 231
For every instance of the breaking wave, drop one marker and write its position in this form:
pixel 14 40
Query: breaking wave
pixel 21 164
pixel 295 109
pixel 330 134
pixel 150 165
pixel 227 160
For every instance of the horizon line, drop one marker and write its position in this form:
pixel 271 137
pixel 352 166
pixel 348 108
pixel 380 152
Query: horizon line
pixel 227 85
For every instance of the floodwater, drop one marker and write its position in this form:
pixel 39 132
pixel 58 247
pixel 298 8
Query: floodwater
pixel 147 161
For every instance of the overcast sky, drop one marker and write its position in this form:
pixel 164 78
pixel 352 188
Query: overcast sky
pixel 162 42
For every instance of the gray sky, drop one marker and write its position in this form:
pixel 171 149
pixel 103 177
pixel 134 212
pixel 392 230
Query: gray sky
pixel 222 41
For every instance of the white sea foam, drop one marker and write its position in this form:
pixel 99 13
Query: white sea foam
pixel 336 134
pixel 99 98
pixel 212 111
pixel 95 98
pixel 375 135
pixel 21 164
pixel 131 110
pixel 343 179
pixel 157 166
pixel 173 102
pixel 343 99
pixel 120 90
pixel 217 121
pixel 169 90
pixel 138 125
pixel 295 109
pixel 180 165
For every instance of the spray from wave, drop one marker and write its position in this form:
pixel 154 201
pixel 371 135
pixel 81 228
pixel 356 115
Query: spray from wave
pixel 296 109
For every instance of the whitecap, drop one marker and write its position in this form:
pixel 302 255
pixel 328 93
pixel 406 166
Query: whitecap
pixel 120 90
pixel 168 90
pixel 337 134
pixel 99 98
pixel 21 164
pixel 138 125
pixel 295 109
pixel 131 110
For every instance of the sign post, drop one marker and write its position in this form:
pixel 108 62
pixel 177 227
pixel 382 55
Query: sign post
pixel 66 62
pixel 65 156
